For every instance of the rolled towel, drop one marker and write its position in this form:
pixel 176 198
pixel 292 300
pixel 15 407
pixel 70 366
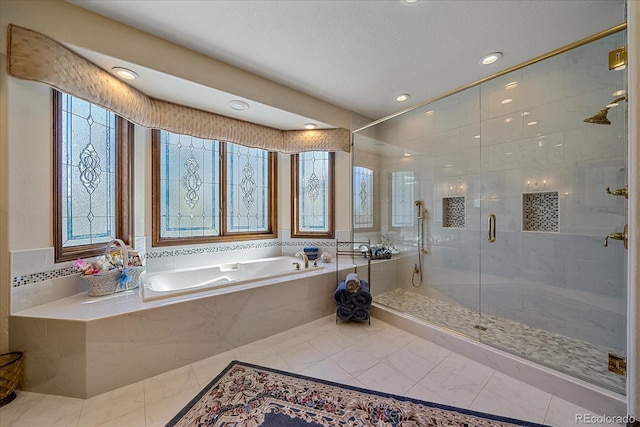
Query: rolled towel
pixel 353 282
pixel 344 312
pixel 344 297
pixel 360 314
pixel 362 299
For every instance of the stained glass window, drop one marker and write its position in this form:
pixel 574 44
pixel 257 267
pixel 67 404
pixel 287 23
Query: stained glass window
pixel 189 186
pixel 362 197
pixel 402 198
pixel 313 193
pixel 247 189
pixel 90 148
pixel 209 191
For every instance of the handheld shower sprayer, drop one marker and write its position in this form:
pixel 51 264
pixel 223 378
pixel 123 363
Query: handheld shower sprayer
pixel 417 269
pixel 421 211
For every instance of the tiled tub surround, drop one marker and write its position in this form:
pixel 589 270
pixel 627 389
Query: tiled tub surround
pixel 80 346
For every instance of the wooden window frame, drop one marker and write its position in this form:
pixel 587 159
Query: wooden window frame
pixel 295 202
pixel 224 236
pixel 124 187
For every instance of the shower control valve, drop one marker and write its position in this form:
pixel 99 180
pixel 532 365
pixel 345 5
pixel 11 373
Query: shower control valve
pixel 624 191
pixel 624 236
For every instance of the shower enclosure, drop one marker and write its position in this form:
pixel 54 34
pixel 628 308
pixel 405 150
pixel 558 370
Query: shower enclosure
pixel 525 210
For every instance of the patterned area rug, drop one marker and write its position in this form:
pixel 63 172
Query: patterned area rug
pixel 251 396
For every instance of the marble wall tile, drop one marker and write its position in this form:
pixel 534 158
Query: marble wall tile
pixel 595 277
pixel 592 214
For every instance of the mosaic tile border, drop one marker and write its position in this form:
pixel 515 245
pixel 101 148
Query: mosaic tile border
pixel 30 279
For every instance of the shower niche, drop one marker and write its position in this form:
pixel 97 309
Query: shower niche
pixel 453 212
pixel 540 211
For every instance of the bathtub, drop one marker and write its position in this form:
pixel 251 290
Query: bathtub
pixel 180 282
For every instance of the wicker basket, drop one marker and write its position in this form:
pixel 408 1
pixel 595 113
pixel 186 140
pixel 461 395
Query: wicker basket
pixel 112 281
pixel 10 376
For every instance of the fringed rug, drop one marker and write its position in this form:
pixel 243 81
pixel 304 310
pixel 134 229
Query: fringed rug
pixel 246 395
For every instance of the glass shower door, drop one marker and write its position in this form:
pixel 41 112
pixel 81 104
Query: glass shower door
pixel 551 290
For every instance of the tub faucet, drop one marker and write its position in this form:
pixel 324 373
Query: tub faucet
pixel 304 257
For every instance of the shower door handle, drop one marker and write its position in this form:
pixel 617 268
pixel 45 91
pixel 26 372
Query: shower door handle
pixel 491 220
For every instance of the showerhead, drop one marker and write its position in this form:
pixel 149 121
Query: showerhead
pixel 600 118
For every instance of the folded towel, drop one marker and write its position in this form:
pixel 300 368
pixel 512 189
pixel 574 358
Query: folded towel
pixel 365 285
pixel 353 282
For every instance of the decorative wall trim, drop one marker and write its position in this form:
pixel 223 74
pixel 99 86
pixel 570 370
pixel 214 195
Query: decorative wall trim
pixel 29 279
pixel 35 56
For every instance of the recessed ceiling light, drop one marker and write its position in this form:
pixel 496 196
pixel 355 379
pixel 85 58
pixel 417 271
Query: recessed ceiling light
pixel 429 113
pixel 511 85
pixel 124 73
pixel 506 101
pixel 403 97
pixel 310 126
pixel 477 137
pixel 238 105
pixel 407 154
pixel 490 58
pixel 508 120
pixel 525 113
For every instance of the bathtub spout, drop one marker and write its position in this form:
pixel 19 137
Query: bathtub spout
pixel 304 257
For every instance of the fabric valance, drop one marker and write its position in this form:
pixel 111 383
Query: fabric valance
pixel 34 56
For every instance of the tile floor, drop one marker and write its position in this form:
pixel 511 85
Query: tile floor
pixel 380 357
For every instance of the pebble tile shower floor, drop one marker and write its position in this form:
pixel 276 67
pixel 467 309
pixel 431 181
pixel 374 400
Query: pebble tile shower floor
pixel 568 355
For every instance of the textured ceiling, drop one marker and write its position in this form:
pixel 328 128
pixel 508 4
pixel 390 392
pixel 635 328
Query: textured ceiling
pixel 360 54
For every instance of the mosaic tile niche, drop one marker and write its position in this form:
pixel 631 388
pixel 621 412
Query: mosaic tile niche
pixel 540 211
pixel 453 212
